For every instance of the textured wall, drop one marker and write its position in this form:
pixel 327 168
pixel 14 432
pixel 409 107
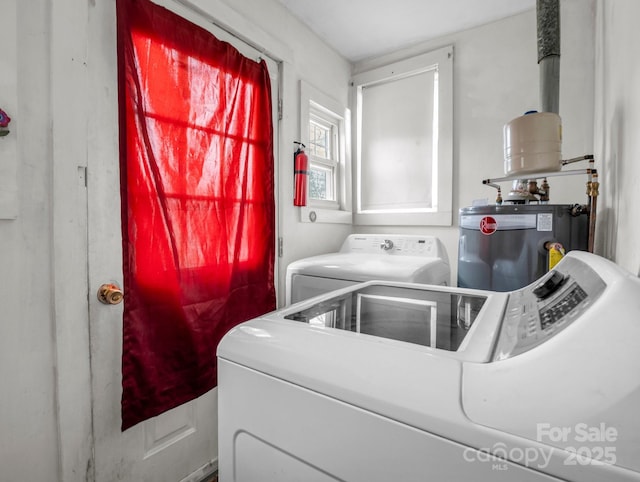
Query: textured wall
pixel 616 131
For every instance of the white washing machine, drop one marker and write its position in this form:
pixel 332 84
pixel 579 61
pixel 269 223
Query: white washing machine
pixel 366 257
pixel 406 382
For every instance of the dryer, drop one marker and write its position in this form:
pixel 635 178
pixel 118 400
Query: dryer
pixel 365 257
pixel 399 381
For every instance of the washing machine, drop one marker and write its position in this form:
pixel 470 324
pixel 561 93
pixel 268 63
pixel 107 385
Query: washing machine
pixel 398 381
pixel 365 257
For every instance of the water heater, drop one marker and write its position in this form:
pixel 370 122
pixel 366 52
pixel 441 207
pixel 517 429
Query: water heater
pixel 505 247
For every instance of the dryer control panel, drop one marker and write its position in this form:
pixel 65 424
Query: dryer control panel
pixel 541 310
pixel 395 244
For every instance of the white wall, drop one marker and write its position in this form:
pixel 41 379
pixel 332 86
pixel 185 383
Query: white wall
pixel 496 79
pixel 28 440
pixel 617 126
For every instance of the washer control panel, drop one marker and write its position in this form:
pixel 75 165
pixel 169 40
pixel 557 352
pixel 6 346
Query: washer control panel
pixel 541 310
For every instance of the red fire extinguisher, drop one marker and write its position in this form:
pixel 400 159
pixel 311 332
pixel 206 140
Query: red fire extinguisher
pixel 300 168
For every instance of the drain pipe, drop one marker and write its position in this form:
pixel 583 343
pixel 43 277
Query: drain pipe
pixel 548 15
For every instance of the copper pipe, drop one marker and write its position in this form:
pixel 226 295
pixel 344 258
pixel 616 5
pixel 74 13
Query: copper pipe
pixel 592 191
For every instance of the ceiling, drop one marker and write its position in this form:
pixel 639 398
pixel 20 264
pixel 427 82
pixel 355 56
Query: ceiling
pixel 360 29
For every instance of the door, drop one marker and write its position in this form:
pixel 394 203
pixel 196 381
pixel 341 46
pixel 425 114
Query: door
pixel 180 444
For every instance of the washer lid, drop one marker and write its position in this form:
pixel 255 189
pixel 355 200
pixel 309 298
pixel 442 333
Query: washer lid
pixel 383 376
pixel 365 266
pixel 411 383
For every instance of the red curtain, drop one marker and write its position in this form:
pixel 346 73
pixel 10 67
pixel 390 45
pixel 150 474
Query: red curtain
pixel 197 190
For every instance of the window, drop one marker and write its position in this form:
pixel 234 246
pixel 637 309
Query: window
pixel 404 142
pixel 323 157
pixel 324 131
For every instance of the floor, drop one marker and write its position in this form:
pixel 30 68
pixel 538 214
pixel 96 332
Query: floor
pixel 213 478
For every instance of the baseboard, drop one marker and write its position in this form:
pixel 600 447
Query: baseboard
pixel 207 470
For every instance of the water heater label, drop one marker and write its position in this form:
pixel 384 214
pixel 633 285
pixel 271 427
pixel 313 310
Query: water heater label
pixel 545 222
pixel 498 222
pixel 488 225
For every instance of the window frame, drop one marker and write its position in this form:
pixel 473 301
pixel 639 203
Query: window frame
pixel 314 103
pixel 441 214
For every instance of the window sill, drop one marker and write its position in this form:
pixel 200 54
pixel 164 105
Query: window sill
pixel 320 215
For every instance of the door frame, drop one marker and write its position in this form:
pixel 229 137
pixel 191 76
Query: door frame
pixel 69 95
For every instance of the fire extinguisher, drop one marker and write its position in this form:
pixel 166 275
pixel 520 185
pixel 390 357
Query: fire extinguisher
pixel 300 168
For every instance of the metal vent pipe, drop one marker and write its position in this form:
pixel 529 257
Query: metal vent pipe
pixel 548 15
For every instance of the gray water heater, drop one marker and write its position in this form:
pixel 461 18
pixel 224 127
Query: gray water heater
pixel 502 247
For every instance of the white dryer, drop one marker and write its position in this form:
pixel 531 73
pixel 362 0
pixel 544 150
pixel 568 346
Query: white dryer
pixel 365 257
pixel 408 382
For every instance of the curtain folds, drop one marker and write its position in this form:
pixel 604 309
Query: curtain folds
pixel 198 216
